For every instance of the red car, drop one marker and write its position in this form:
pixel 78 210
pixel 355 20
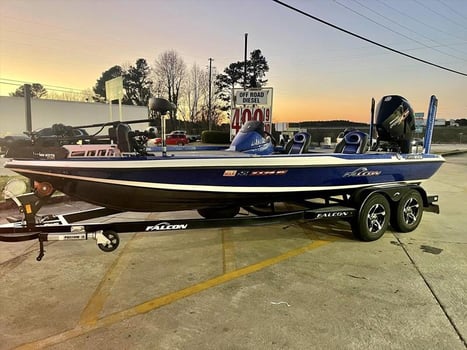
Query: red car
pixel 174 138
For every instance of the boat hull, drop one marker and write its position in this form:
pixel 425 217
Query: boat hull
pixel 180 183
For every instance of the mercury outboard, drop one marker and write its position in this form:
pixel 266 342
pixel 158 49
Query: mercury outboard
pixel 395 124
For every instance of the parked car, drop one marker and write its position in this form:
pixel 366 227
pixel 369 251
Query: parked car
pixel 177 137
pixel 13 141
pixel 194 138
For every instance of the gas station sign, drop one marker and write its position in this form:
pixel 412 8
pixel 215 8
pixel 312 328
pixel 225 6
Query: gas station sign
pixel 251 104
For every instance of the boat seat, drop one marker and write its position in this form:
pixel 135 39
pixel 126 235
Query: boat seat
pixel 354 141
pixel 124 141
pixel 299 143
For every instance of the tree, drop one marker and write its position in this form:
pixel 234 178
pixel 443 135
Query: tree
pixel 257 67
pixel 169 70
pixel 196 90
pixel 37 91
pixel 137 84
pixel 234 76
pixel 225 82
pixel 99 88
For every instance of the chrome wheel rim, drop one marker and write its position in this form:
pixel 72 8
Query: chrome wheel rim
pixel 376 218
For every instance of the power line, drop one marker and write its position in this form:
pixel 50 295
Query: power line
pixel 452 10
pixel 440 14
pixel 47 86
pixel 419 21
pixel 366 39
pixel 400 25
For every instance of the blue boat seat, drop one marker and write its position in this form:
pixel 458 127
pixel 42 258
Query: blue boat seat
pixel 354 141
pixel 299 143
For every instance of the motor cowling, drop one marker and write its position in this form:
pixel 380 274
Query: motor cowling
pixel 395 123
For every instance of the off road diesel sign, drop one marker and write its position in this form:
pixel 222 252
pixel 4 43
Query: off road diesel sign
pixel 251 104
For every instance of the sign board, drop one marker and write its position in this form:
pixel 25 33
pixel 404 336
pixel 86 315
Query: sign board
pixel 419 122
pixel 253 97
pixel 114 89
pixel 241 115
pixel 251 104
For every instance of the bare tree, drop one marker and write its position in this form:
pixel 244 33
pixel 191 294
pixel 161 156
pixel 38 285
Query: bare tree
pixel 196 92
pixel 170 70
pixel 86 95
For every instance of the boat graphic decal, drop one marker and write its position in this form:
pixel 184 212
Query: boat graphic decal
pixel 230 173
pixel 362 172
pixel 165 226
pixel 334 214
pixel 272 172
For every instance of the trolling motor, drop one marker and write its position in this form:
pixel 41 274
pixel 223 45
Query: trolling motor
pixel 160 107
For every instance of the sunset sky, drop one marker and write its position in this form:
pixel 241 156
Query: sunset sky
pixel 316 71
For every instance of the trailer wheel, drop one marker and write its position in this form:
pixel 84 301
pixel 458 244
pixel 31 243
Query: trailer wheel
pixel 373 218
pixel 114 239
pixel 408 213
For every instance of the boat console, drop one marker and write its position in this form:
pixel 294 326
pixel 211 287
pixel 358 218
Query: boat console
pixel 253 139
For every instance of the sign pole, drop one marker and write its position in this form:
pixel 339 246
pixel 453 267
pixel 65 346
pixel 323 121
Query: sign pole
pixel 110 111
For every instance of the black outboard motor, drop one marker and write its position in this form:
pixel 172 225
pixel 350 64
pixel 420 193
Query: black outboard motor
pixel 395 124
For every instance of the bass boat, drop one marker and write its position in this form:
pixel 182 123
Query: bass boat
pixel 249 172
pixel 370 180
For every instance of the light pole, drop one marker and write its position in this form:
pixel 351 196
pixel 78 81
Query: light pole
pixel 209 97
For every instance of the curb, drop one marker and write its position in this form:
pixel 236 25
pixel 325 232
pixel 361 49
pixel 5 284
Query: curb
pixel 453 152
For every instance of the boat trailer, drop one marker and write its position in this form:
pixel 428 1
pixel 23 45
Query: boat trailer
pixel 368 210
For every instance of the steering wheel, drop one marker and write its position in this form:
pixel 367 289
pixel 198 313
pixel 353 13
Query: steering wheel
pixel 273 140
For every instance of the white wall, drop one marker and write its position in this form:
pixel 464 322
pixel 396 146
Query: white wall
pixel 45 113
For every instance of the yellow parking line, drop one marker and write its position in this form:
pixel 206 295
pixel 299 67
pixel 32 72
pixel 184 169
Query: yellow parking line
pixel 91 312
pixel 158 302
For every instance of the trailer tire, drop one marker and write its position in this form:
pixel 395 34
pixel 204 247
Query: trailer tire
pixel 372 219
pixel 114 239
pixel 408 212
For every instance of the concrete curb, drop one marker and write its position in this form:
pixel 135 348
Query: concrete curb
pixel 453 152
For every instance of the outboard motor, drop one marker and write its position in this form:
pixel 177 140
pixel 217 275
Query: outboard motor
pixel 252 139
pixel 395 124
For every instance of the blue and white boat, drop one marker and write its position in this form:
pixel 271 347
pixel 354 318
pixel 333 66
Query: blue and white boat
pixel 247 173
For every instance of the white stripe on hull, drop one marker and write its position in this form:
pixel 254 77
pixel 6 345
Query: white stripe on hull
pixel 206 188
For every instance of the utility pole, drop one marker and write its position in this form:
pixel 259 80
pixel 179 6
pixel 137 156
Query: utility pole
pixel 245 57
pixel 27 100
pixel 209 99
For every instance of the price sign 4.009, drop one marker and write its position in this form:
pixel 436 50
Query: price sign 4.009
pixel 241 115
